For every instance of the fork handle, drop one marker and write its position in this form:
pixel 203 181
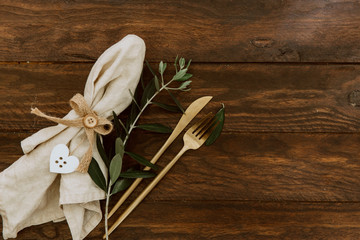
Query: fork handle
pixel 147 190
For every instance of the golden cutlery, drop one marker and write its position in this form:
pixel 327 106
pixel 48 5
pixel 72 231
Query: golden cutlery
pixel 193 139
pixel 194 108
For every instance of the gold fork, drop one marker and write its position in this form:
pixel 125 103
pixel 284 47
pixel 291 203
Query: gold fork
pixel 193 139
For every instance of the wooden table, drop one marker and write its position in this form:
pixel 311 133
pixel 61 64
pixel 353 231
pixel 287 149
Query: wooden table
pixel 287 165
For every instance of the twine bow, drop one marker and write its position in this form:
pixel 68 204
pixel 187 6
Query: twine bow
pixel 89 120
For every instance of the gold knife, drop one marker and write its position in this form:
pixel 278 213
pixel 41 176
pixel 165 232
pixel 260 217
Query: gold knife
pixel 194 108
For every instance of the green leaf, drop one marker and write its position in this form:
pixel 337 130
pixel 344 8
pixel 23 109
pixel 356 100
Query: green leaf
pixel 149 91
pixel 131 118
pixel 176 60
pixel 182 63
pixel 179 74
pixel 115 168
pixel 134 100
pixel 188 65
pixel 157 84
pixel 219 119
pixel 116 124
pixel 101 150
pixel 137 174
pixel 162 67
pixel 187 76
pixel 168 107
pixel 150 68
pixel 121 185
pixel 96 174
pixel 119 147
pixel 142 79
pixel 140 159
pixel 133 113
pixel 123 126
pixel 184 86
pixel 155 127
pixel 176 102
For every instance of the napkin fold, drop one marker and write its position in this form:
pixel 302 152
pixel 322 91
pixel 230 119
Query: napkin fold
pixel 29 193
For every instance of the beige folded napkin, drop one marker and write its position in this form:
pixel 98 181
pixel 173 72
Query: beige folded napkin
pixel 29 193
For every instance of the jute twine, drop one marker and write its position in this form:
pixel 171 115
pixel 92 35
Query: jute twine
pixel 89 120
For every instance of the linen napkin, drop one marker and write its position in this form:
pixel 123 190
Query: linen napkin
pixel 29 193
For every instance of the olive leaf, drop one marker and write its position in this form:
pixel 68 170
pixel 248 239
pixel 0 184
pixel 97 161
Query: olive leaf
pixel 157 84
pixel 115 168
pixel 176 102
pixel 219 120
pixel 137 174
pixel 149 91
pixel 121 185
pixel 132 116
pixel 142 79
pixel 155 127
pixel 134 100
pixel 182 63
pixel 96 174
pixel 150 68
pixel 140 159
pixel 119 147
pixel 176 60
pixel 168 107
pixel 116 124
pixel 188 65
pixel 184 86
pixel 181 73
pixel 187 76
pixel 162 67
pixel 101 151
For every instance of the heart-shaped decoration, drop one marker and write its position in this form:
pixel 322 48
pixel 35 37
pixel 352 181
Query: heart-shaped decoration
pixel 61 162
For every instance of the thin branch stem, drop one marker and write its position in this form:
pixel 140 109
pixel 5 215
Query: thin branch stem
pixel 162 79
pixel 133 124
pixel 175 89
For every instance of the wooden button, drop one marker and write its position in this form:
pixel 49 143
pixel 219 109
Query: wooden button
pixel 90 121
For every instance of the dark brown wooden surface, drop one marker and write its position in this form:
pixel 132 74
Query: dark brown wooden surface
pixel 225 31
pixel 259 97
pixel 287 165
pixel 226 220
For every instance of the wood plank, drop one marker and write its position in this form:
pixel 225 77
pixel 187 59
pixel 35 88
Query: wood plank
pixel 268 167
pixel 259 97
pixel 247 166
pixel 225 220
pixel 217 31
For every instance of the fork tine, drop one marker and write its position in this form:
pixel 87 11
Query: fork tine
pixel 203 126
pixel 197 125
pixel 209 130
pixel 207 127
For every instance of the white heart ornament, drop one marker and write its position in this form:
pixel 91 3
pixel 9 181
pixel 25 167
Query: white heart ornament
pixel 61 162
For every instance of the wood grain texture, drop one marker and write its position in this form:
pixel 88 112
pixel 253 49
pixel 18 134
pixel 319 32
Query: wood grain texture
pixel 258 97
pixel 286 166
pixel 271 167
pixel 215 31
pixel 246 166
pixel 224 220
